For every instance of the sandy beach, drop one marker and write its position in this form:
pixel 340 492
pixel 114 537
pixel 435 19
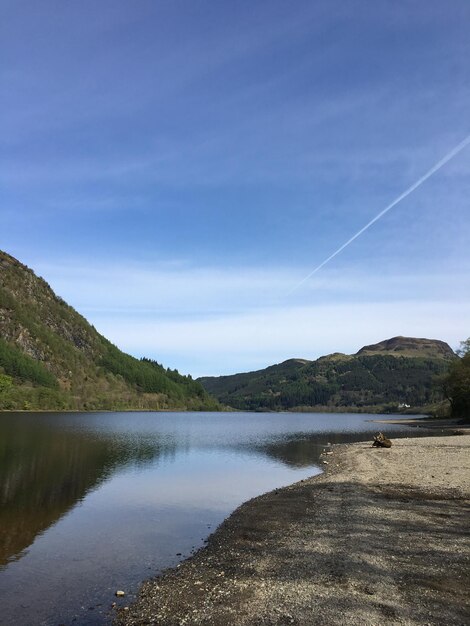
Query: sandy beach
pixel 382 537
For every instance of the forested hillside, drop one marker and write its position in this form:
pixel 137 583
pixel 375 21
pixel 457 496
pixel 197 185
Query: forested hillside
pixel 52 358
pixel 398 371
pixel 457 383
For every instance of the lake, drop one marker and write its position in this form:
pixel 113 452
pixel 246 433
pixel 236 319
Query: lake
pixel 95 502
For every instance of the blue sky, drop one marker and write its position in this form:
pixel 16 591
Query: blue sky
pixel 174 168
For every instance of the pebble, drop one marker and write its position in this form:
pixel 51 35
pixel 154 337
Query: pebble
pixel 120 593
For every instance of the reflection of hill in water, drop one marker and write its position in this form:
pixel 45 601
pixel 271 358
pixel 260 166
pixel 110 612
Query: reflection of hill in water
pixel 305 449
pixel 297 453
pixel 45 471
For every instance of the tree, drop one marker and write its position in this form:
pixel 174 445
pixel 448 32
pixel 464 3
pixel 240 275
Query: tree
pixel 457 383
pixel 6 382
pixel 464 347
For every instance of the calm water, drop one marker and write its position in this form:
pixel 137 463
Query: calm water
pixel 92 503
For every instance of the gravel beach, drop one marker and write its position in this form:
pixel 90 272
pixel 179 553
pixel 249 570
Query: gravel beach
pixel 382 537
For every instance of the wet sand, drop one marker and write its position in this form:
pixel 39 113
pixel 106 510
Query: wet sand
pixel 381 538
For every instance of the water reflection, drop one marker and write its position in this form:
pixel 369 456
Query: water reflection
pixel 46 470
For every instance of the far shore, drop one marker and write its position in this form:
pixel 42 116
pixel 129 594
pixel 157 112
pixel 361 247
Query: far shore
pixel 460 426
pixel 382 537
pixel 407 417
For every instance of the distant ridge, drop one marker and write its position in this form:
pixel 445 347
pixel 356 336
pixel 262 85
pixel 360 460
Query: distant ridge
pixel 410 346
pixel 387 376
pixel 52 358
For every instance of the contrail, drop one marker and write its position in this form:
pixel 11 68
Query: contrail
pixel 406 193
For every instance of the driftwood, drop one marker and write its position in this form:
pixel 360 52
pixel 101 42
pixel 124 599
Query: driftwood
pixel 381 441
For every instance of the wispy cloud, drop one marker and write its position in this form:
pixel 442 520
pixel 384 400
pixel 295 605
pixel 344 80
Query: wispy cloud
pixel 175 287
pixel 257 339
pixel 192 318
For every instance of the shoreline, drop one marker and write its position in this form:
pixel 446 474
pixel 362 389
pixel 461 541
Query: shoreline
pixel 380 537
pixel 227 409
pixel 456 426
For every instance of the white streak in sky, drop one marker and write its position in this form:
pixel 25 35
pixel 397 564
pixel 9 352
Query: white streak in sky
pixel 406 193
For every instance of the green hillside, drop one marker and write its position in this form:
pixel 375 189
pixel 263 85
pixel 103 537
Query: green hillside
pixel 52 358
pixel 401 370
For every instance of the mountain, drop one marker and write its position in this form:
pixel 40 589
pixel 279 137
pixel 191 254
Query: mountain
pixel 51 358
pixel 379 377
pixel 410 346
